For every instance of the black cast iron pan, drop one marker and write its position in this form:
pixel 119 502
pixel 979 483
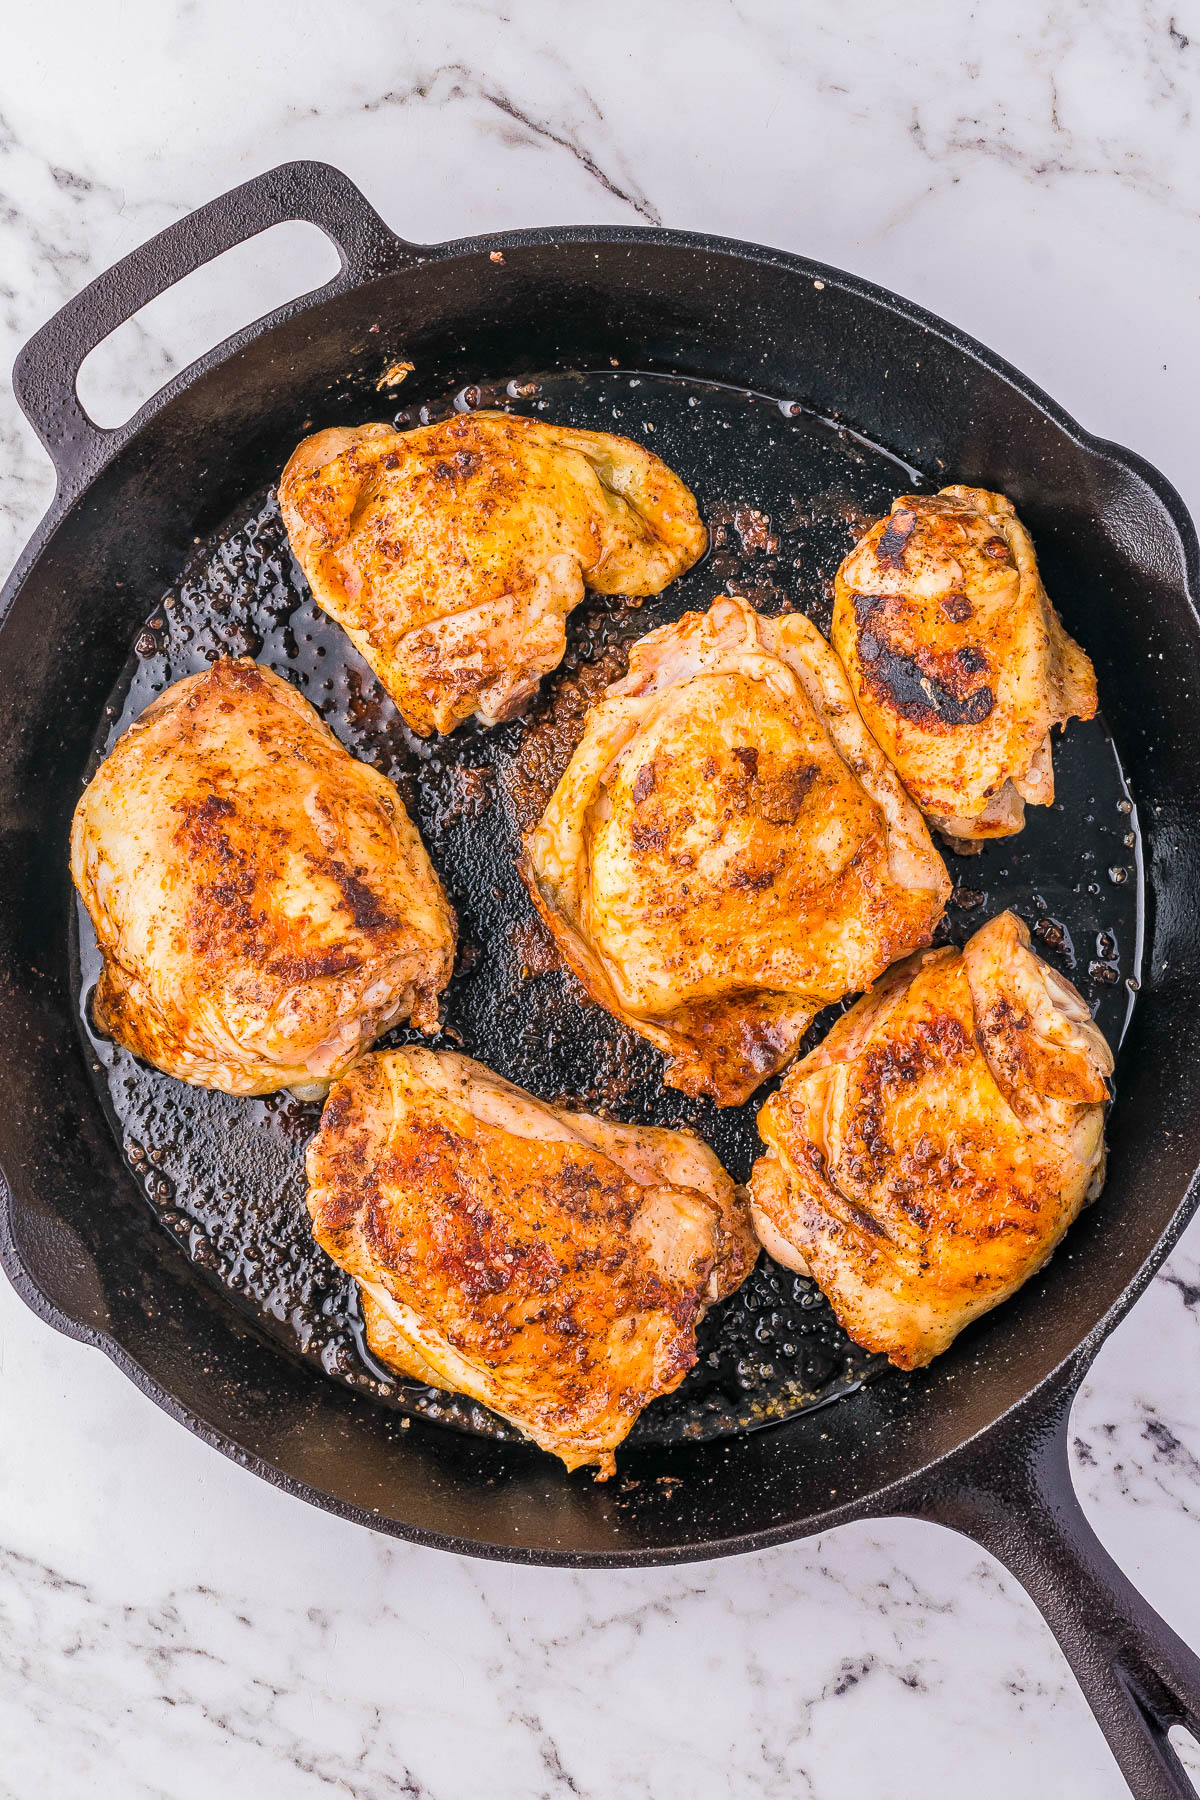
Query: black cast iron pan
pixel 775 385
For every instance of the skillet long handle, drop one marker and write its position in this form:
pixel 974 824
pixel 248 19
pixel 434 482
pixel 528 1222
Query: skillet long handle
pixel 1016 1499
pixel 45 371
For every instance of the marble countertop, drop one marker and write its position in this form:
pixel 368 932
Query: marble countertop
pixel 169 1625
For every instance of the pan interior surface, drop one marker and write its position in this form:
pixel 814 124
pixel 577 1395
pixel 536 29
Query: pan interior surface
pixel 784 492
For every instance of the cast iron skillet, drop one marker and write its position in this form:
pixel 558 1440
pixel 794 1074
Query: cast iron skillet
pixel 979 1441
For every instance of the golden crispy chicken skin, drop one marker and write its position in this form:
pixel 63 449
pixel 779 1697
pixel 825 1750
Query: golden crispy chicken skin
pixel 928 1157
pixel 728 850
pixel 263 904
pixel 958 660
pixel 451 555
pixel 548 1264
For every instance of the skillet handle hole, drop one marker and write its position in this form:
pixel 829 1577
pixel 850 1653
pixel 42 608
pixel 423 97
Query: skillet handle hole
pixel 201 310
pixel 1188 1751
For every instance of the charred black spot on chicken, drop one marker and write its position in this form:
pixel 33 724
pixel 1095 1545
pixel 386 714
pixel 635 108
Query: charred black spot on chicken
pixel 899 681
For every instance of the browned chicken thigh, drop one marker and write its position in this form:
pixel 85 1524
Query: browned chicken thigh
pixel 958 660
pixel 728 850
pixel 928 1157
pixel 551 1265
pixel 452 554
pixel 263 904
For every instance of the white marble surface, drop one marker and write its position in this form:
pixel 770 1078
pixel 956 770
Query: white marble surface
pixel 170 1627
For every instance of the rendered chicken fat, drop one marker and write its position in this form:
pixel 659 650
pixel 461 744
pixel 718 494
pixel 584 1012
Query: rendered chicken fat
pixel 958 660
pixel 728 851
pixel 930 1154
pixel 551 1265
pixel 263 904
pixel 452 554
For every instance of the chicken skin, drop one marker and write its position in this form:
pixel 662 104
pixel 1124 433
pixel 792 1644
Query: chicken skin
pixel 958 660
pixel 451 555
pixel 263 903
pixel 548 1264
pixel 928 1157
pixel 728 850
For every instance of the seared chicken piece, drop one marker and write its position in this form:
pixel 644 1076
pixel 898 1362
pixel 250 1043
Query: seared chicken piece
pixel 263 904
pixel 550 1265
pixel 451 555
pixel 728 850
pixel 927 1158
pixel 958 660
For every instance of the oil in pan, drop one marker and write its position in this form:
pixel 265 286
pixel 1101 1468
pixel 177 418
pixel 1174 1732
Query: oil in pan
pixel 784 493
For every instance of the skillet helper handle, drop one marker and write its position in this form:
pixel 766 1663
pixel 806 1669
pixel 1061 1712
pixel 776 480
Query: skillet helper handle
pixel 45 372
pixel 1138 1676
